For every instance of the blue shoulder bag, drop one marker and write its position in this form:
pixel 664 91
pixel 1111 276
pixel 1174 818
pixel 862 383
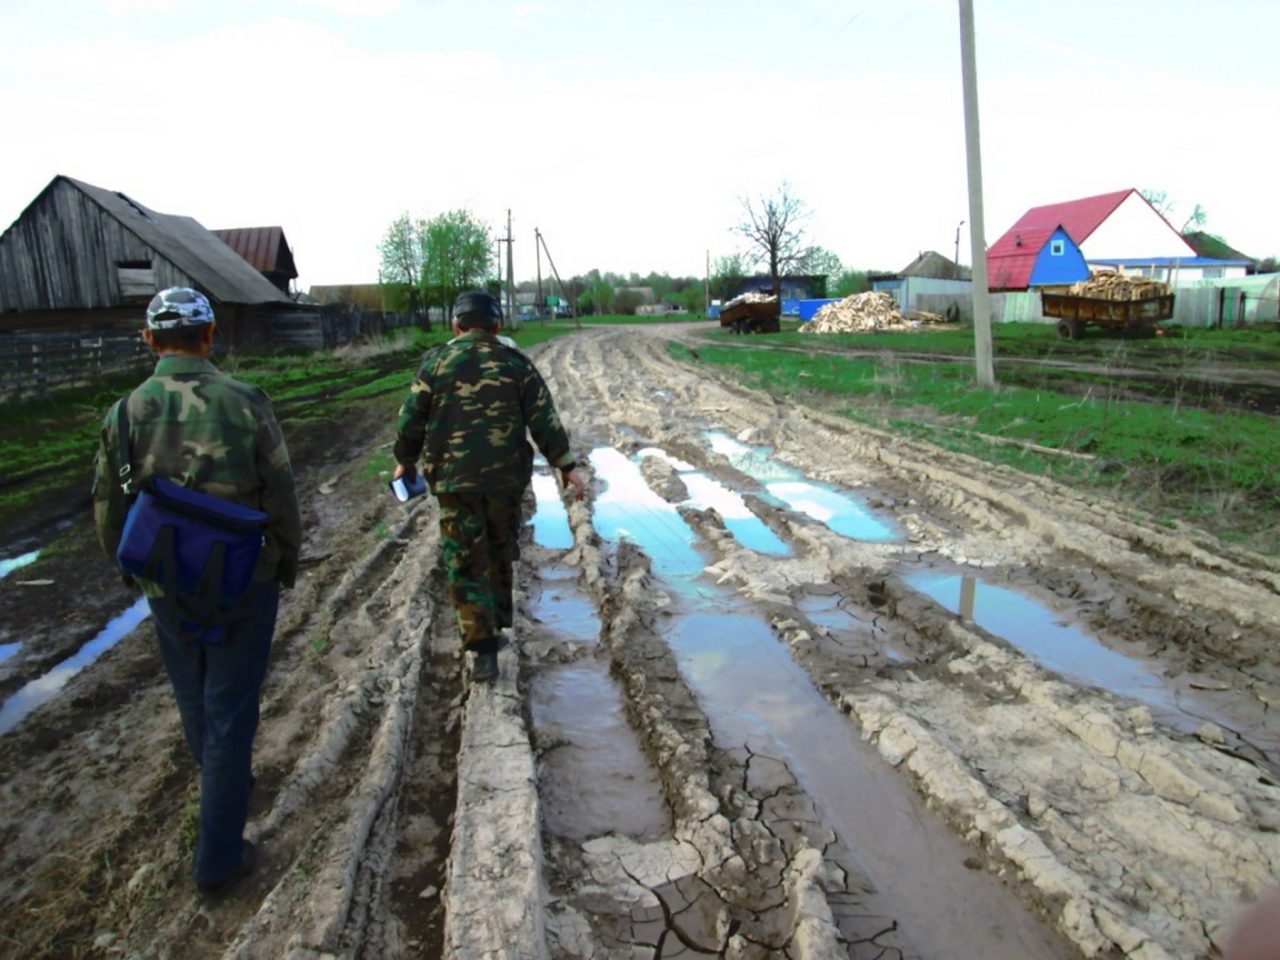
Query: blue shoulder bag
pixel 201 550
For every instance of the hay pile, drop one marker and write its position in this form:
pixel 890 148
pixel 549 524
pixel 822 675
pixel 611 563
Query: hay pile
pixel 862 312
pixel 1109 285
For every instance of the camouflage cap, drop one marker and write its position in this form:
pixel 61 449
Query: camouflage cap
pixel 178 307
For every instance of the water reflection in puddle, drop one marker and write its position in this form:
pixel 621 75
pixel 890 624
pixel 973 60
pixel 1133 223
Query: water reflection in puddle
pixel 16 563
pixel 840 512
pixel 594 779
pixel 628 509
pixel 561 606
pixel 707 494
pixel 754 693
pixel 7 650
pixel 550 519
pixel 1036 630
pixel 42 689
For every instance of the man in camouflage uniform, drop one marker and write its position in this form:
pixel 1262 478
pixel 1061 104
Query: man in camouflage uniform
pixel 467 414
pixel 201 429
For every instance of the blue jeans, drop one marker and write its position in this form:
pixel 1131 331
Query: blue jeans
pixel 217 689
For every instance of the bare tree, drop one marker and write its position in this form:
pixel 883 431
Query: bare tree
pixel 775 229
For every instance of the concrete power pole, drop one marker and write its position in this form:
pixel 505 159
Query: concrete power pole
pixel 977 239
pixel 537 248
pixel 511 288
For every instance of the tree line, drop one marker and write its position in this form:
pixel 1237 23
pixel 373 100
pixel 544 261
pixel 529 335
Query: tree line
pixel 426 262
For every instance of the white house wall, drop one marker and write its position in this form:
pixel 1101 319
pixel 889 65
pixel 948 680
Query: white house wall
pixel 1134 230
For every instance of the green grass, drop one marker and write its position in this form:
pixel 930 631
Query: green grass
pixel 1213 469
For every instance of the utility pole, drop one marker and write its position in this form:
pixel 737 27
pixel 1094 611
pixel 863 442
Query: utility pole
pixel 706 285
pixel 511 289
pixel 573 307
pixel 537 249
pixel 957 261
pixel 977 240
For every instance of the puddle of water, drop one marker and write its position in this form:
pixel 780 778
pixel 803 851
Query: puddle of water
pixel 748 529
pixel 564 608
pixel 596 781
pixel 550 519
pixel 43 688
pixel 7 650
pixel 16 563
pixel 629 509
pixel 752 691
pixel 840 512
pixel 1037 631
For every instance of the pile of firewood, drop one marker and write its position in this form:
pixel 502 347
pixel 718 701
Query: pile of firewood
pixel 874 310
pixel 750 297
pixel 1109 285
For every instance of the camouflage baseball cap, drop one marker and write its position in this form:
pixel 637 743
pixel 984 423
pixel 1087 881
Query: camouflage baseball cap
pixel 178 307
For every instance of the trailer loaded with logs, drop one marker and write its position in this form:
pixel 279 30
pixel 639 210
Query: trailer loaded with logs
pixel 1109 299
pixel 751 313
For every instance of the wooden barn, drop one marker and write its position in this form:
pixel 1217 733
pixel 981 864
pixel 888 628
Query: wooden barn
pixel 81 258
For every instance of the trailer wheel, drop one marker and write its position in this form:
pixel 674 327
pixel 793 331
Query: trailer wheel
pixel 1065 330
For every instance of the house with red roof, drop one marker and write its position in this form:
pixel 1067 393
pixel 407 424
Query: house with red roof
pixel 1119 230
pixel 1035 257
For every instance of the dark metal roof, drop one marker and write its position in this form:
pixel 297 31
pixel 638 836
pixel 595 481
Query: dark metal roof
pixel 932 264
pixel 216 269
pixel 265 249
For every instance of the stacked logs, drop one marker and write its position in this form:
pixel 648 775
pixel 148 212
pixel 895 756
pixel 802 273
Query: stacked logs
pixel 874 310
pixel 1109 285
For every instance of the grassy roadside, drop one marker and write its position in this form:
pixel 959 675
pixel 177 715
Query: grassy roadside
pixel 1214 470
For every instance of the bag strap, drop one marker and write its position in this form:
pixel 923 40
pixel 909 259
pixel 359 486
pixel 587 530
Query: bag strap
pixel 124 456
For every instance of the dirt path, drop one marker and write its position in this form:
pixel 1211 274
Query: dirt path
pixel 728 726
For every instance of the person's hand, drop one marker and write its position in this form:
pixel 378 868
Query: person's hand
pixel 409 471
pixel 572 478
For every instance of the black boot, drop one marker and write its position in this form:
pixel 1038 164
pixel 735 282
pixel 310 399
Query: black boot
pixel 484 668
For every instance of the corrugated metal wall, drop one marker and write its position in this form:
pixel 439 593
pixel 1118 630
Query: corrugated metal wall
pixel 62 254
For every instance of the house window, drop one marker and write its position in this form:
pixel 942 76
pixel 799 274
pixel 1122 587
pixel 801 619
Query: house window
pixel 1057 247
pixel 1212 273
pixel 136 278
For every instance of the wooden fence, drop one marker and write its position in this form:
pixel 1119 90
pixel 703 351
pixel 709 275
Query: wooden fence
pixel 34 364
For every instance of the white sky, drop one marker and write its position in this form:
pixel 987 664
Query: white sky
pixel 628 131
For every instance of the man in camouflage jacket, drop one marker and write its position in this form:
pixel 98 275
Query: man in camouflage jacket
pixel 467 414
pixel 204 430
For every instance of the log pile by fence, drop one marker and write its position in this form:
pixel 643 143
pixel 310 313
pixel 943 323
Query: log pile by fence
pixel 862 312
pixel 34 364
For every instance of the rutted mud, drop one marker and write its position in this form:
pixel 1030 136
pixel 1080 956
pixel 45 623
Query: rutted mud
pixel 726 725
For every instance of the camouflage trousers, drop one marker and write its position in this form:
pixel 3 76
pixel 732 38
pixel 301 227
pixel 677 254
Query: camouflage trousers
pixel 479 541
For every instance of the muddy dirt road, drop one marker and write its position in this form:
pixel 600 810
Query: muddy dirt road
pixel 782 686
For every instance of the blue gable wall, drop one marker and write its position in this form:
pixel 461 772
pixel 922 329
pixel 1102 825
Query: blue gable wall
pixel 1066 267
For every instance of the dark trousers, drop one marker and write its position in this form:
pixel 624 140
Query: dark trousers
pixel 217 689
pixel 479 538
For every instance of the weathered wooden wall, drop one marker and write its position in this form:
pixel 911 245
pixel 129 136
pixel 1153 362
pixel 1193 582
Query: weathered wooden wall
pixel 64 254
pixel 34 365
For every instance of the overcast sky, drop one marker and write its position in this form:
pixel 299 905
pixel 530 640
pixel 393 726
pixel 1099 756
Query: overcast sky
pixel 628 131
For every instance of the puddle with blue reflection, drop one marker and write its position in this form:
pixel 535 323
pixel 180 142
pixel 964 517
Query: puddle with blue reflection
pixel 7 650
pixel 563 607
pixel 550 519
pixel 706 493
pixel 595 780
pixel 628 509
pixel 43 688
pixel 1038 632
pixel 17 563
pixel 840 512
pixel 753 693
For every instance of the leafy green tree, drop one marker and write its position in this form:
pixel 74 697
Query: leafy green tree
pixel 400 261
pixel 727 274
pixel 458 256
pixel 626 301
pixel 850 282
pixel 821 262
pixel 774 227
pixel 1165 207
